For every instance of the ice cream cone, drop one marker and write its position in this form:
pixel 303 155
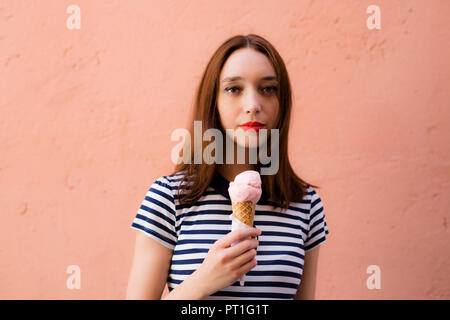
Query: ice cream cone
pixel 245 191
pixel 244 212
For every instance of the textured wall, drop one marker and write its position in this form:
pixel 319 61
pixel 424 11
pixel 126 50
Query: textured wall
pixel 86 117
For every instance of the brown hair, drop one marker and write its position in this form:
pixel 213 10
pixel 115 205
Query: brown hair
pixel 284 186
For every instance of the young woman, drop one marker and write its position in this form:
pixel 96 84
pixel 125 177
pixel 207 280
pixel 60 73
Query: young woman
pixel 183 228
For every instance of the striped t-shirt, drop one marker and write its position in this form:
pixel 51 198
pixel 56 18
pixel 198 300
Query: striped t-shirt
pixel 191 230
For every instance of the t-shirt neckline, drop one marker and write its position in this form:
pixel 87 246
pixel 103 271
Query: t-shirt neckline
pixel 221 185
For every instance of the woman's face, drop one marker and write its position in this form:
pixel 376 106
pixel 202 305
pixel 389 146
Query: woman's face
pixel 252 98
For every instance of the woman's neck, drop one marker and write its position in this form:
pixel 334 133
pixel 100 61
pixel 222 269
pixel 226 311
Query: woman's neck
pixel 230 171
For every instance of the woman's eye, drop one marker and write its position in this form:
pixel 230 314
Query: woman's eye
pixel 273 89
pixel 231 88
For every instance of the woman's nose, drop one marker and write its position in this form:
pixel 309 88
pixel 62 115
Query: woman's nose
pixel 251 104
pixel 253 108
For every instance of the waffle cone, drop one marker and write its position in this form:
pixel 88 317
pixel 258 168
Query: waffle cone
pixel 244 211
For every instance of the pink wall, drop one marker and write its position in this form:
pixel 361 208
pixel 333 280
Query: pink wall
pixel 86 118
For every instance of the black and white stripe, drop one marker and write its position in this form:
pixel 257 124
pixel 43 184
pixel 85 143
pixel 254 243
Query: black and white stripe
pixel 191 230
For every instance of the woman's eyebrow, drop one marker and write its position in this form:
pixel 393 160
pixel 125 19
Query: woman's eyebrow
pixel 230 79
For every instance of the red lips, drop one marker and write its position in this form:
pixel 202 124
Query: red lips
pixel 252 125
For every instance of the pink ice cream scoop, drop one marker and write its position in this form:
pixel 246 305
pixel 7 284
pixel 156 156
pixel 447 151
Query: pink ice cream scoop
pixel 246 186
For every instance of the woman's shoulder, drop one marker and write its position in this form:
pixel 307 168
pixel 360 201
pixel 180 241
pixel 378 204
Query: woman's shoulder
pixel 173 177
pixel 304 203
pixel 310 191
pixel 313 198
pixel 172 180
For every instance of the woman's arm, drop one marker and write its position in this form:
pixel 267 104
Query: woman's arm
pixel 148 277
pixel 222 266
pixel 306 289
pixel 150 268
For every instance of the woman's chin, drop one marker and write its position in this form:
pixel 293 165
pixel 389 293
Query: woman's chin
pixel 249 142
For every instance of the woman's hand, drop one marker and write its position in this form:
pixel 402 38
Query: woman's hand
pixel 224 264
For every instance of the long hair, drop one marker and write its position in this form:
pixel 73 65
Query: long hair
pixel 284 186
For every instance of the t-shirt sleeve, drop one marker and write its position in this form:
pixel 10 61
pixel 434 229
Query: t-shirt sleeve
pixel 156 216
pixel 318 229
